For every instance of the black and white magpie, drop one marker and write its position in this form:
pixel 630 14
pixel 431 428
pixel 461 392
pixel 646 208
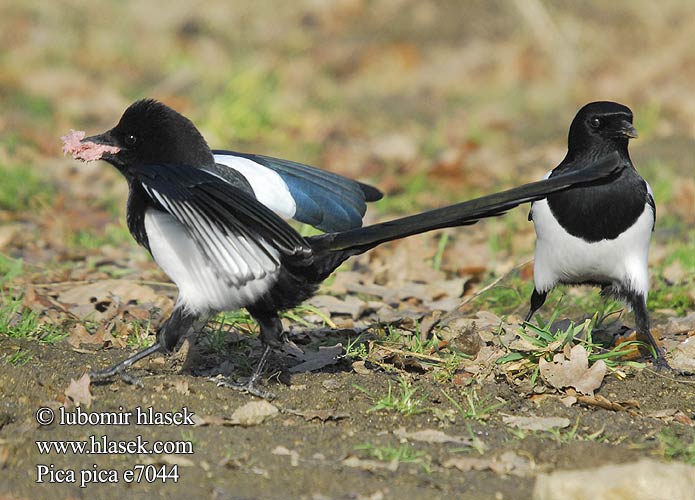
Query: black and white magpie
pixel 598 234
pixel 212 221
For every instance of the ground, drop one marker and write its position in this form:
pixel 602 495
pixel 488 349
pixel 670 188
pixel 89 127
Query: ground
pixel 410 374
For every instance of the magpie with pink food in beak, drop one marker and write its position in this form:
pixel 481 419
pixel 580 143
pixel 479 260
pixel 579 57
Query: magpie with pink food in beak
pixel 599 234
pixel 213 221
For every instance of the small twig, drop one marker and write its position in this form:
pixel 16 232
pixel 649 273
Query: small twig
pixel 477 294
pixel 672 379
pixel 413 354
pixel 601 402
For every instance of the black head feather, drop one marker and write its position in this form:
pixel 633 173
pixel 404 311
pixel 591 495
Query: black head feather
pixel 151 133
pixel 600 128
pixel 606 208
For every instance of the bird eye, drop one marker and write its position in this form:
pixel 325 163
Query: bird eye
pixel 130 140
pixel 595 122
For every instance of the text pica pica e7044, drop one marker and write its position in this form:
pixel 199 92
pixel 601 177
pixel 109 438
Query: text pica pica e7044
pixel 598 234
pixel 213 220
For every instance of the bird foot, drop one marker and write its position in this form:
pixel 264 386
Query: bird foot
pixel 250 387
pixel 109 373
pixel 120 368
pixel 661 365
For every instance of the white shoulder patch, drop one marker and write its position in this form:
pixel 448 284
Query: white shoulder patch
pixel 649 190
pixel 267 185
pixel 533 204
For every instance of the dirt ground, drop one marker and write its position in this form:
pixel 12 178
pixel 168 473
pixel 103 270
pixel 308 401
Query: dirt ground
pixel 432 391
pixel 297 456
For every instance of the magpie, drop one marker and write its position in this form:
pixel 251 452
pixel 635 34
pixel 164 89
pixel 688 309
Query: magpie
pixel 598 234
pixel 216 227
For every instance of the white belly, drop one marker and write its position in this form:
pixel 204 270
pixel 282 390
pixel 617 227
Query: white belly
pixel 201 287
pixel 563 258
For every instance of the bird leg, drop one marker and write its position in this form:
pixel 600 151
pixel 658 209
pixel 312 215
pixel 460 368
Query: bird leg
pixel 537 301
pixel 271 336
pixel 644 334
pixel 120 368
pixel 168 335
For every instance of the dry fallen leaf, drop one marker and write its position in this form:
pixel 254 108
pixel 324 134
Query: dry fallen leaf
pixel 78 391
pixel 573 372
pixel 79 335
pixel 282 451
pixel 250 414
pixel 601 402
pixel 204 420
pixel 507 463
pixel 536 423
pixel 350 305
pixel 370 465
pixel 253 413
pixel 431 436
pixel 360 368
pixel 683 356
pixel 42 302
pixel 684 419
pixel 568 400
pixel 96 298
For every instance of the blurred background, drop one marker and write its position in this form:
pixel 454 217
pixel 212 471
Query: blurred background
pixel 432 100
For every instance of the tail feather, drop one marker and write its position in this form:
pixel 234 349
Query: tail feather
pixel 360 240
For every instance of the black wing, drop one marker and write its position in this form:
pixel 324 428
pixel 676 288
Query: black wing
pixel 325 200
pixel 236 233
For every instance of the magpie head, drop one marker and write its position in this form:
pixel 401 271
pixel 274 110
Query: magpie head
pixel 601 127
pixel 151 133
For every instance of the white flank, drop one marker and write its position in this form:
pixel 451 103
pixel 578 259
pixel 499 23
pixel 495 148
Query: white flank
pixel 563 258
pixel 239 274
pixel 267 184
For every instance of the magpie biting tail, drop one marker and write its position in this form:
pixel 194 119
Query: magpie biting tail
pixel 340 246
pixel 215 221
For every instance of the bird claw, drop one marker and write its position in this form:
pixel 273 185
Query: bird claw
pixel 250 387
pixel 661 364
pixel 108 374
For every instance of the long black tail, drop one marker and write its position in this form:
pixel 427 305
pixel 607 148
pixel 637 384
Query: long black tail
pixel 344 244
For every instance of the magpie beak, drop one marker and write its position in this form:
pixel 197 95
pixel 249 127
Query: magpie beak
pixel 628 130
pixel 105 139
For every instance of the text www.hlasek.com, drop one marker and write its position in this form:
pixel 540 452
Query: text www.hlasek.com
pixel 104 446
